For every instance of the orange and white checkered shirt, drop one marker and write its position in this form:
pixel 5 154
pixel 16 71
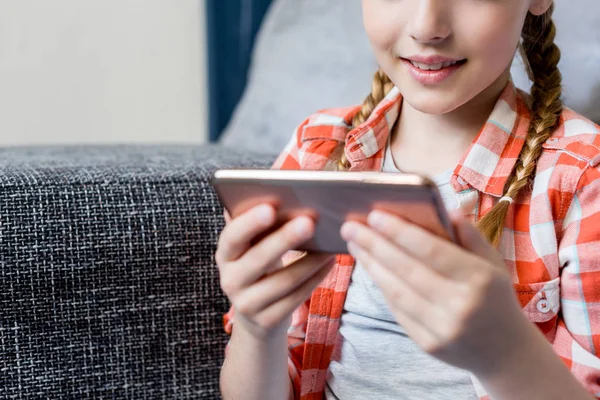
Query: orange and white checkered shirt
pixel 551 240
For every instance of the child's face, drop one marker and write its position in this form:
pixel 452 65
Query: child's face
pixel 482 35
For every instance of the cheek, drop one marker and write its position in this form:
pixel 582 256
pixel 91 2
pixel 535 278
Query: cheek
pixel 382 25
pixel 495 42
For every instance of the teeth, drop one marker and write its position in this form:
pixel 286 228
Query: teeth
pixel 433 67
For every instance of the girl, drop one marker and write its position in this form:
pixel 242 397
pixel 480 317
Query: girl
pixel 512 311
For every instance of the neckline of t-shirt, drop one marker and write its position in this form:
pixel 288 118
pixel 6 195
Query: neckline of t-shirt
pixel 440 179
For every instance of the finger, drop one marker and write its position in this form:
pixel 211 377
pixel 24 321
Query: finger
pixel 409 308
pixel 281 283
pixel 259 259
pixel 442 255
pixel 239 233
pixel 281 309
pixel 227 217
pixel 427 281
pixel 471 239
pixel 287 259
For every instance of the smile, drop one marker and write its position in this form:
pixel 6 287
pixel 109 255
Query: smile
pixel 432 70
pixel 433 67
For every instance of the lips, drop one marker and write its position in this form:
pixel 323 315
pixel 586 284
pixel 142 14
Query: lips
pixel 432 70
pixel 433 63
pixel 433 67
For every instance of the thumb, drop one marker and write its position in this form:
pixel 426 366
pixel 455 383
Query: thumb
pixel 469 237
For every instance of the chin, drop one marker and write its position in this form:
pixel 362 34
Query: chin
pixel 432 104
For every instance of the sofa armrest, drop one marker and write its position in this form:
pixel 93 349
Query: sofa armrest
pixel 108 287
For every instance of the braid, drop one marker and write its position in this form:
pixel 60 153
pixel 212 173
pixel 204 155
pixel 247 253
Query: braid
pixel 542 57
pixel 382 85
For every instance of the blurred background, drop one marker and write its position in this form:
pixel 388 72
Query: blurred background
pixel 122 71
pixel 193 71
pixel 102 71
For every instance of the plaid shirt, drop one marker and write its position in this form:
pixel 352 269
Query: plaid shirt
pixel 550 243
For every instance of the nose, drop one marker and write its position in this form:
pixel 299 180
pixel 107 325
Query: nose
pixel 430 22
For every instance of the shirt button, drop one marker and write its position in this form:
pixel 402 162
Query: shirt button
pixel 543 306
pixel 462 181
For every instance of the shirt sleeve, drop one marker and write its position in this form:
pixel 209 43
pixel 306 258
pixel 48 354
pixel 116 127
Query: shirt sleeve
pixel 577 339
pixel 289 158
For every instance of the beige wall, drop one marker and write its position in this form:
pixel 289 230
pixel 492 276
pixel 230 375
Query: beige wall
pixel 98 71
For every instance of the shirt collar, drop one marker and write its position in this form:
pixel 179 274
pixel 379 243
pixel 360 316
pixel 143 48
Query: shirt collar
pixel 489 160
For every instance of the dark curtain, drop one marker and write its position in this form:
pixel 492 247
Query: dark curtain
pixel 232 27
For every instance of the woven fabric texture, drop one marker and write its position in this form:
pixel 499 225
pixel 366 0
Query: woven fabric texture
pixel 108 287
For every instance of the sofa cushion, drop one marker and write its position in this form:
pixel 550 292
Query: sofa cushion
pixel 309 55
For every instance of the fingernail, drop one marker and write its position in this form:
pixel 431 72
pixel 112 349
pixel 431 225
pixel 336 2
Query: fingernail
pixel 302 227
pixel 347 232
pixel 353 249
pixel 265 214
pixel 376 219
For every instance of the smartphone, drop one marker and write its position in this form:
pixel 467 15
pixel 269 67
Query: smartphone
pixel 331 198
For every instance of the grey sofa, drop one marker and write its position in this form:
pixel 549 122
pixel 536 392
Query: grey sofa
pixel 108 287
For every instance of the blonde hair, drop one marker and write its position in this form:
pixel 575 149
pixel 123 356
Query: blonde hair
pixel 541 56
pixel 380 88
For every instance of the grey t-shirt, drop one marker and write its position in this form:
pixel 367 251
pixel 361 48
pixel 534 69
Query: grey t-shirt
pixel 375 358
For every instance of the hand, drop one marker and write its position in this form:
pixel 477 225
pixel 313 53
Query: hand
pixel 264 286
pixel 457 303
